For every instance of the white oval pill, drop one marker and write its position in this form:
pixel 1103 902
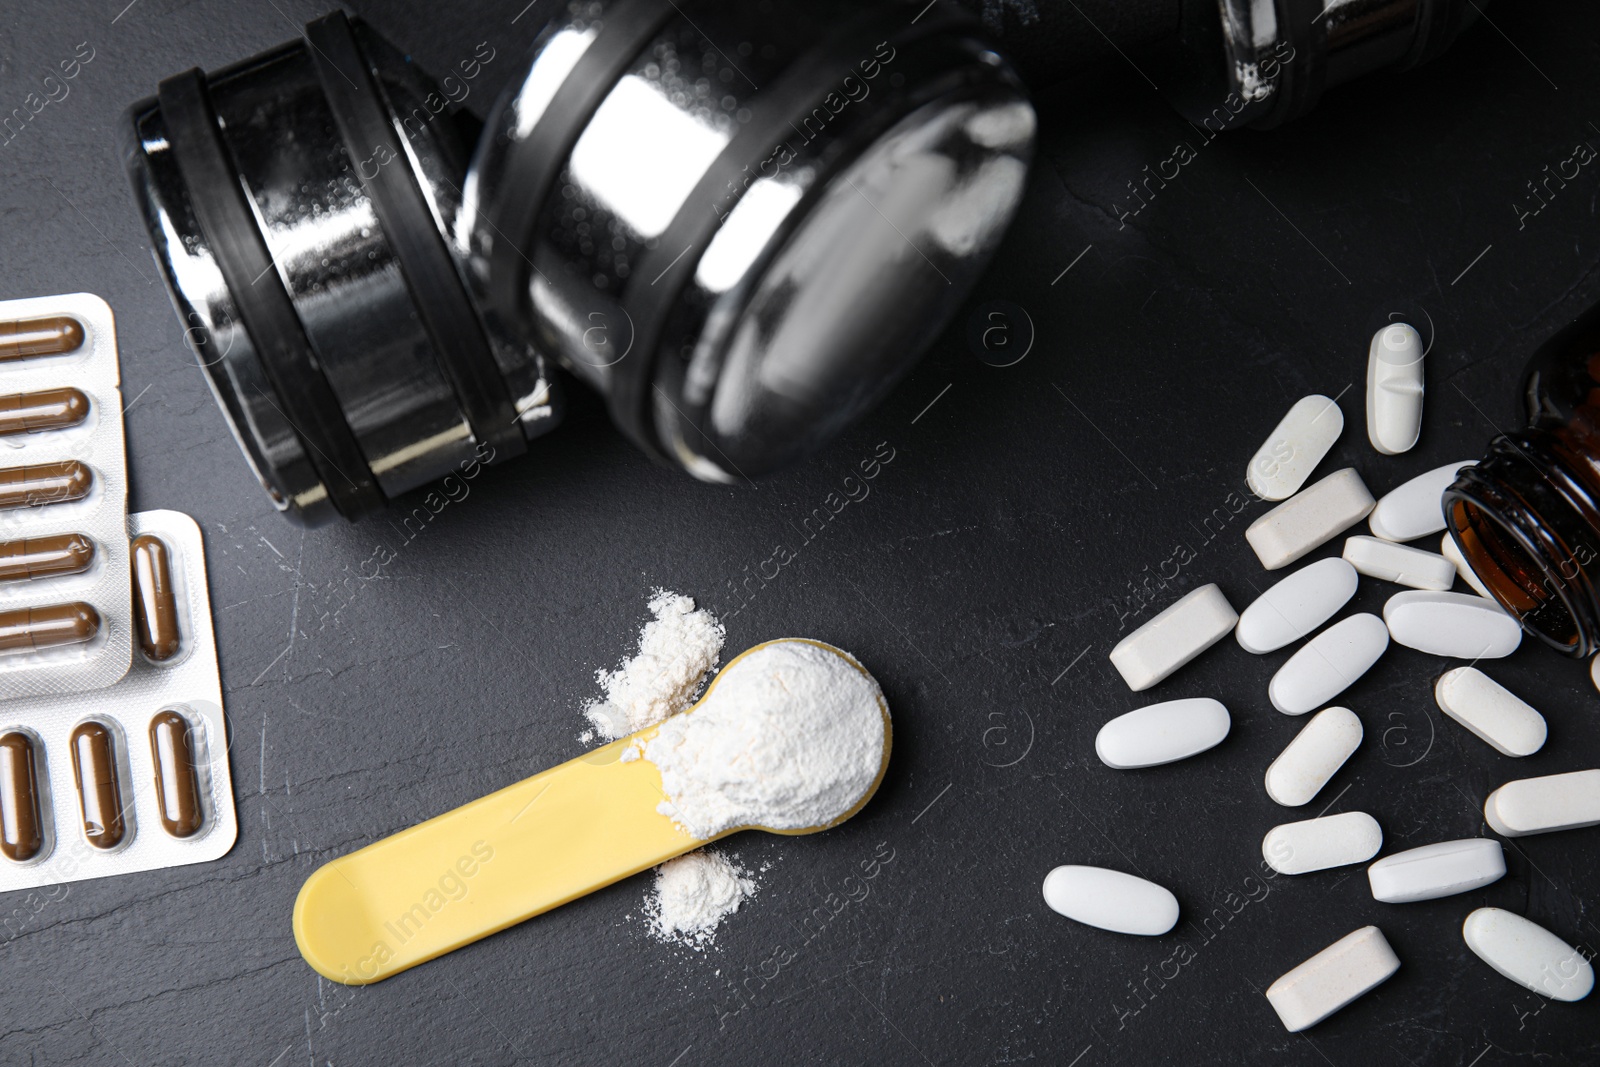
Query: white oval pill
pixel 1540 805
pixel 1317 751
pixel 1528 954
pixel 1311 518
pixel 1413 509
pixel 1401 564
pixel 1452 624
pixel 1394 389
pixel 1491 711
pixel 1294 448
pixel 1295 606
pixel 1162 733
pixel 1328 664
pixel 1197 621
pixel 1449 550
pixel 1442 869
pixel 1351 966
pixel 1111 900
pixel 1317 844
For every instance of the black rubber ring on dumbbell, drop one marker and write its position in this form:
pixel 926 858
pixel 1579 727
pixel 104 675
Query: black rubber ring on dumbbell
pixel 304 397
pixel 460 344
pixel 1300 85
pixel 664 270
pixel 534 163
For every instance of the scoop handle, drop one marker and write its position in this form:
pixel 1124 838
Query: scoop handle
pixel 487 865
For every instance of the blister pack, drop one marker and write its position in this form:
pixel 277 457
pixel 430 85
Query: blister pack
pixel 133 777
pixel 65 610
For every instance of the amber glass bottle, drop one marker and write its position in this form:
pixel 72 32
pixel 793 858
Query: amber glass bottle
pixel 1527 517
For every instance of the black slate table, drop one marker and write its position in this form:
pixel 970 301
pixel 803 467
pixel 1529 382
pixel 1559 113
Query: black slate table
pixel 1026 517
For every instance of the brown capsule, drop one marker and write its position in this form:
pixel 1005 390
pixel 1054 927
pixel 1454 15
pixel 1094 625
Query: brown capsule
pixel 40 337
pixel 48 409
pixel 50 626
pixel 177 784
pixel 94 765
pixel 21 826
pixel 155 602
pixel 38 484
pixel 45 557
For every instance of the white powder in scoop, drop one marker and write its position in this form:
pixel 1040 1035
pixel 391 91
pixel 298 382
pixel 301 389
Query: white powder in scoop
pixel 693 894
pixel 790 737
pixel 792 707
pixel 676 649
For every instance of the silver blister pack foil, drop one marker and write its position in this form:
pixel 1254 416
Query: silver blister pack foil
pixel 102 515
pixel 188 683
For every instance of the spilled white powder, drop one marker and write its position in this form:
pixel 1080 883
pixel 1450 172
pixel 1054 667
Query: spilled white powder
pixel 676 649
pixel 791 736
pixel 693 894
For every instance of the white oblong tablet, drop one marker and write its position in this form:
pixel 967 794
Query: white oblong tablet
pixel 1442 869
pixel 1394 389
pixel 1317 844
pixel 1594 672
pixel 1162 733
pixel 1311 518
pixel 1449 550
pixel 1568 801
pixel 1316 753
pixel 1452 624
pixel 1197 621
pixel 1401 564
pixel 1528 954
pixel 1413 509
pixel 1294 448
pixel 1328 664
pixel 1491 711
pixel 1111 900
pixel 1295 606
pixel 1355 964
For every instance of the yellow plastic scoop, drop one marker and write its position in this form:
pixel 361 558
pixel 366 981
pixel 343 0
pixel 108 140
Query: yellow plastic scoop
pixel 574 828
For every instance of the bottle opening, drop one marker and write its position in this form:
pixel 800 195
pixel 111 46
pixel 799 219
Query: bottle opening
pixel 1512 571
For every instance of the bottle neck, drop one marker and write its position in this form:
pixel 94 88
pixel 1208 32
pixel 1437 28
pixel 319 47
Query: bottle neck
pixel 1528 524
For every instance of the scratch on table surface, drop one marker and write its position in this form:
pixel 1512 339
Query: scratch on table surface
pixel 294 605
pixel 269 666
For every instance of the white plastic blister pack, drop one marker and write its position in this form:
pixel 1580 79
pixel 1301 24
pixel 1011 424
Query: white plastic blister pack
pixel 65 607
pixel 133 777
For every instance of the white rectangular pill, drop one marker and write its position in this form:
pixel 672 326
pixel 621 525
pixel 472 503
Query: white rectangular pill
pixel 1294 448
pixel 1317 844
pixel 1394 389
pixel 1528 954
pixel 1316 753
pixel 1448 549
pixel 1539 805
pixel 1328 664
pixel 1452 624
pixel 1197 621
pixel 1401 564
pixel 1413 509
pixel 1311 518
pixel 1442 869
pixel 1491 711
pixel 1353 965
pixel 1296 605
